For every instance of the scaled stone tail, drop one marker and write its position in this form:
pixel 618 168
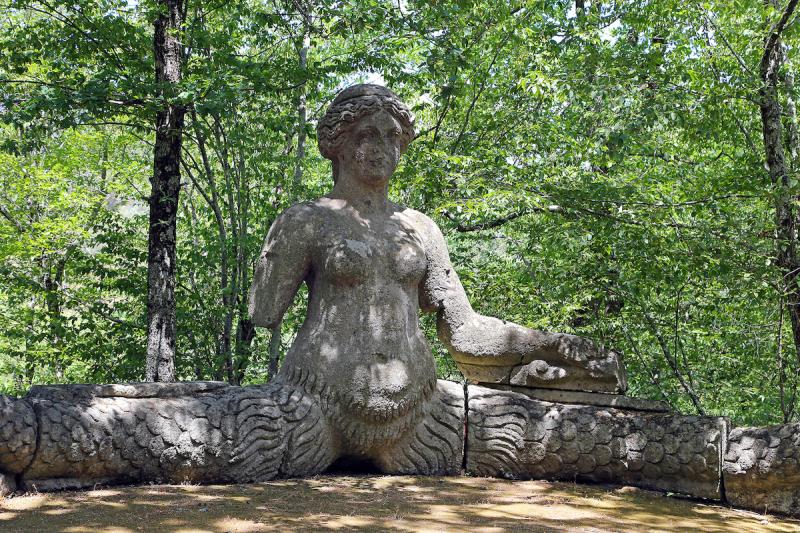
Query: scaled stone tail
pixel 18 428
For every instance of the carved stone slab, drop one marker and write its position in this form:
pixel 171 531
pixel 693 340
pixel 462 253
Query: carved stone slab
pixel 762 469
pixel 540 374
pixel 514 436
pixel 587 398
pixel 126 390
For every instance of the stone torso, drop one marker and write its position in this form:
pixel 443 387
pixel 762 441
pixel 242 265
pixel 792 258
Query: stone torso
pixel 361 336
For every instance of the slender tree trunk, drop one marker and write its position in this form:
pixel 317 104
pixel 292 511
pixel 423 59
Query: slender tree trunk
pixel 792 134
pixel 245 330
pixel 673 364
pixel 788 388
pixel 302 55
pixel 53 282
pixel 161 327
pixel 212 198
pixel 274 351
pixel 785 214
pixel 245 333
pixel 229 290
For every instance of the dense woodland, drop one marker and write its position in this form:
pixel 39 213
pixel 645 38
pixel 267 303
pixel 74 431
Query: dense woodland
pixel 624 170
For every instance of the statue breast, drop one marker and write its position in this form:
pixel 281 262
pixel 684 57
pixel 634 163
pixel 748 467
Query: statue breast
pixel 353 260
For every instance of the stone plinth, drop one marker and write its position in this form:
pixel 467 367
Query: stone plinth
pixel 761 469
pixel 515 436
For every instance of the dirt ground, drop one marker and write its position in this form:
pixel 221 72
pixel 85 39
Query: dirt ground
pixel 374 503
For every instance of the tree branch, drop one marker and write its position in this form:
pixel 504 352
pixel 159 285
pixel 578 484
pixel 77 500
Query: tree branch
pixel 774 39
pixel 463 228
pixel 672 362
pixel 7 215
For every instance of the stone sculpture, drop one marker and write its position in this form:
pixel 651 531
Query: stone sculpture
pixel 370 264
pixel 359 380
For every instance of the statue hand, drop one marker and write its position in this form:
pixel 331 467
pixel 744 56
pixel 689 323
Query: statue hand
pixel 581 351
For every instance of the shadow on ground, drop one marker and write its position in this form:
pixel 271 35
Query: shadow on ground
pixel 370 503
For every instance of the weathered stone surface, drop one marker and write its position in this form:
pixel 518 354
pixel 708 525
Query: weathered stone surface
pixel 761 469
pixel 371 265
pixel 586 398
pixel 512 435
pixel 227 434
pixel 127 390
pixel 575 365
pixel 8 485
pixel 601 371
pixel 359 379
pixel 540 374
pixel 18 429
pixel 235 434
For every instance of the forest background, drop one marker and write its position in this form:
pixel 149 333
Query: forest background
pixel 623 170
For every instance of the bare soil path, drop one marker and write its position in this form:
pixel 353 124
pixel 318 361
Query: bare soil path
pixel 374 503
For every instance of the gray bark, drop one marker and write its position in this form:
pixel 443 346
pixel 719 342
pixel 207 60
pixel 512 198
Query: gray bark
pixel 302 54
pixel 161 327
pixel 792 135
pixel 274 350
pixel 53 283
pixel 785 214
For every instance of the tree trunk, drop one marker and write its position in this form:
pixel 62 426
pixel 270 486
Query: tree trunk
pixel 245 333
pixel 53 282
pixel 792 134
pixel 274 351
pixel 785 214
pixel 788 388
pixel 161 327
pixel 245 330
pixel 302 54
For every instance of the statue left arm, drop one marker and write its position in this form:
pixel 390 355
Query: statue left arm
pixel 474 339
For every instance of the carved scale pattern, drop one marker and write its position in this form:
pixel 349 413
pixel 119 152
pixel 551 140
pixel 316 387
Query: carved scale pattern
pixel 233 434
pixel 18 428
pixel 512 435
pixel 762 468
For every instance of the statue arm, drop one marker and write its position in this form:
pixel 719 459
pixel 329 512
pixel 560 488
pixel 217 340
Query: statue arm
pixel 476 340
pixel 283 264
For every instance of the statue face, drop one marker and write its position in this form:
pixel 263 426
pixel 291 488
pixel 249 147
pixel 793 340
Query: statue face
pixel 372 149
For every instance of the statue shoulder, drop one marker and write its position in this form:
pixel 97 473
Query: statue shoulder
pixel 300 219
pixel 427 228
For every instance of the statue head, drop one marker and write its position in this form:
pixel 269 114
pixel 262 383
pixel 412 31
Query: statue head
pixel 352 106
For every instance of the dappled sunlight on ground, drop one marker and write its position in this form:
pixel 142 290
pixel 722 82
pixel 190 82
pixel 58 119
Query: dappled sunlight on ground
pixel 369 503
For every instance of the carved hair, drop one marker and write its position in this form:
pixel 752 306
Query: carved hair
pixel 350 106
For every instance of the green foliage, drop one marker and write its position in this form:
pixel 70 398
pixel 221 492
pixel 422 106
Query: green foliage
pixel 613 160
